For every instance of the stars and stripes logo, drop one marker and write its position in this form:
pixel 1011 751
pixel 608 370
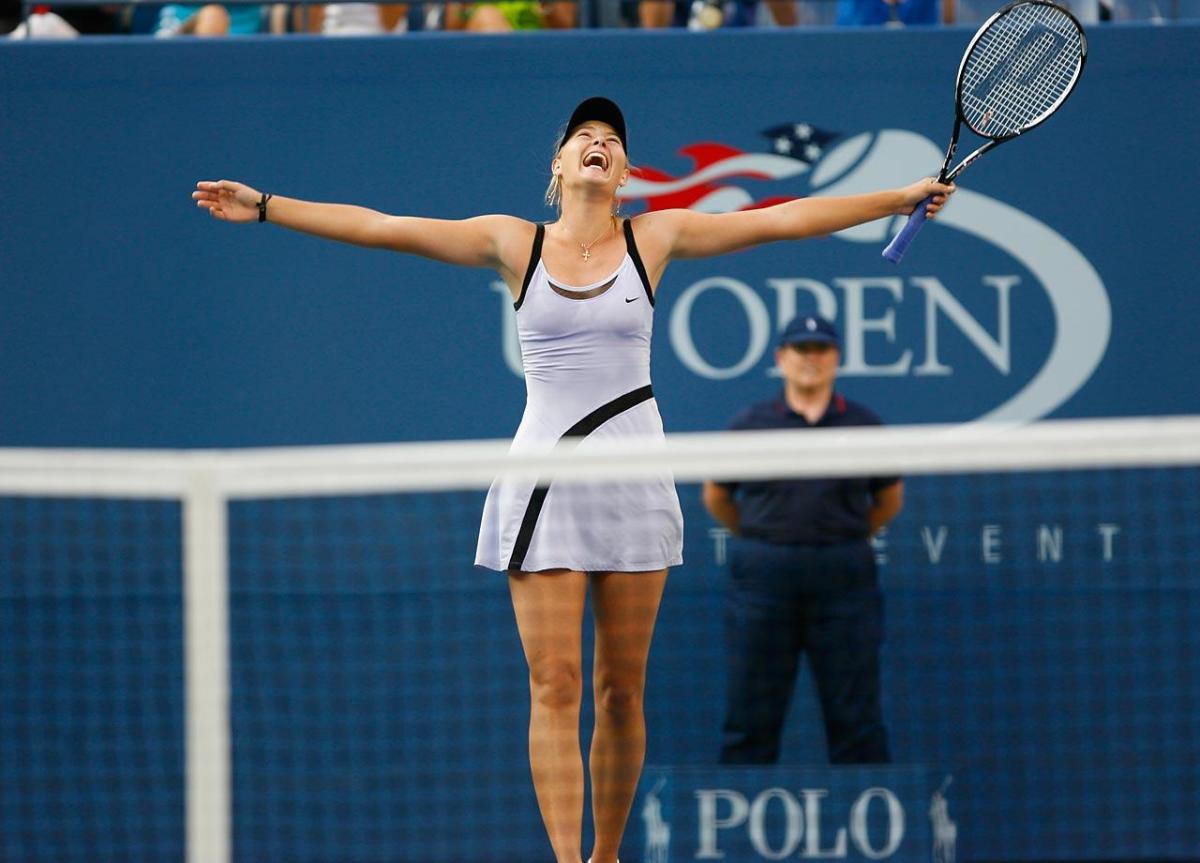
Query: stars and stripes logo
pixel 715 183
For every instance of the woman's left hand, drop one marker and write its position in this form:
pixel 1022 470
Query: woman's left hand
pixel 914 194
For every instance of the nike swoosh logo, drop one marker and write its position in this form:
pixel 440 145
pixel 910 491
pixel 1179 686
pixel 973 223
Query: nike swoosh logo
pixel 633 300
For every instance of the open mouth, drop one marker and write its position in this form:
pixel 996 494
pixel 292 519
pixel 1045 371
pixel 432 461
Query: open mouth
pixel 596 159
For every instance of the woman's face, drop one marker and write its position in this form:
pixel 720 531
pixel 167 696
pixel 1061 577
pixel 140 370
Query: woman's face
pixel 592 156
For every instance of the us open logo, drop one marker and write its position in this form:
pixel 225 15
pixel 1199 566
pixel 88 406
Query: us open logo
pixel 879 307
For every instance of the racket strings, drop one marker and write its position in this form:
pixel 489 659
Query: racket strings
pixel 1020 69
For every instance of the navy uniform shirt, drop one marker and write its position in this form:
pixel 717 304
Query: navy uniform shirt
pixel 811 511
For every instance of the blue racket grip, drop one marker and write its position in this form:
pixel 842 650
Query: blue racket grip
pixel 899 245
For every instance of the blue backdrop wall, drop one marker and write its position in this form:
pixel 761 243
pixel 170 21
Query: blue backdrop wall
pixel 1057 285
pixel 130 320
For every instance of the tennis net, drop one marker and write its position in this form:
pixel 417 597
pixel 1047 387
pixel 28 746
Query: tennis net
pixel 288 655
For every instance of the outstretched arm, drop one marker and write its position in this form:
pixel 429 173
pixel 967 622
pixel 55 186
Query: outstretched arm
pixel 477 242
pixel 688 234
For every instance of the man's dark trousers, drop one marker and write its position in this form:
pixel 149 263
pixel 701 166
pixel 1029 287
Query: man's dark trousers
pixel 821 602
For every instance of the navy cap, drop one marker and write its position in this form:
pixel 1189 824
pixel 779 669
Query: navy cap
pixel 809 329
pixel 595 108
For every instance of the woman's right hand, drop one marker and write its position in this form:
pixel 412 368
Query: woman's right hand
pixel 227 200
pixel 913 194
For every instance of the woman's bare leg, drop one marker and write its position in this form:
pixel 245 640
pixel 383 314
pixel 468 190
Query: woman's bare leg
pixel 625 605
pixel 549 610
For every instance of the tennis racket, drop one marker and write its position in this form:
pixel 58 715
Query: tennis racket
pixel 1018 69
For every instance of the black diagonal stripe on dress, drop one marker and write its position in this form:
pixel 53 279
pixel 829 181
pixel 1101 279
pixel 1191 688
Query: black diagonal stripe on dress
pixel 583 428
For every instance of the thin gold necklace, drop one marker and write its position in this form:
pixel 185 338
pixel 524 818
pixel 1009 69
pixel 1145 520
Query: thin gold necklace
pixel 586 248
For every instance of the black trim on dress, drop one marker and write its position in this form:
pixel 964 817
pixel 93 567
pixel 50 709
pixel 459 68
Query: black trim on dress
pixel 631 246
pixel 534 257
pixel 583 428
pixel 581 295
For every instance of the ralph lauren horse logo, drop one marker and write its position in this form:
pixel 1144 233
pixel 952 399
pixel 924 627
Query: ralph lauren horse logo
pixel 945 831
pixel 658 831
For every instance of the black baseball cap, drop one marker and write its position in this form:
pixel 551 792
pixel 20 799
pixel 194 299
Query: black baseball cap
pixel 595 108
pixel 807 330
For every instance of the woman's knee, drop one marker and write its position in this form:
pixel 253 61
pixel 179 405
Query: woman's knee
pixel 556 683
pixel 619 698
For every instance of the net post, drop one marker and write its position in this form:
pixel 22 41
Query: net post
pixel 206 615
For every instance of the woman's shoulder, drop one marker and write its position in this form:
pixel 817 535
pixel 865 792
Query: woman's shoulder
pixel 505 224
pixel 657 220
pixel 655 232
pixel 512 234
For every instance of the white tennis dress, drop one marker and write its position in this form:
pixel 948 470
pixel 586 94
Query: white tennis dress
pixel 586 353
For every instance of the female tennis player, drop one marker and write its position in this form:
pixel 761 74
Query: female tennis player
pixel 584 289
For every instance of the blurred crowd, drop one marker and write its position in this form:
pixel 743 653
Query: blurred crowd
pixel 169 20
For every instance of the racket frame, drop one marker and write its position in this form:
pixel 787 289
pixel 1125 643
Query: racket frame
pixel 945 175
pixel 895 250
